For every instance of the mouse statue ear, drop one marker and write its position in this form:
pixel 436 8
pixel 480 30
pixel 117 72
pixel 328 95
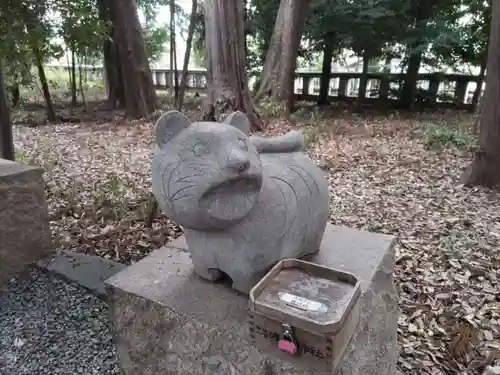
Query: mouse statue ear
pixel 239 120
pixel 169 125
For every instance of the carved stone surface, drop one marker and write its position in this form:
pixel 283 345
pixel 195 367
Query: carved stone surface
pixel 24 224
pixel 167 320
pixel 244 202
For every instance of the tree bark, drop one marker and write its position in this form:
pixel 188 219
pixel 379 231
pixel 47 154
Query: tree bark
pixel 73 75
pixel 51 114
pixel 6 140
pixel 363 80
pixel 278 74
pixel 423 11
pixel 15 93
pixel 139 91
pixel 31 17
pixel 485 168
pixel 80 81
pixel 189 43
pixel 479 87
pixel 326 70
pixel 176 71
pixel 410 80
pixel 172 48
pixel 226 74
pixel 112 64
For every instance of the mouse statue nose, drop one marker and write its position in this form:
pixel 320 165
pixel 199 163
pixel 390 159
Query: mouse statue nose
pixel 238 161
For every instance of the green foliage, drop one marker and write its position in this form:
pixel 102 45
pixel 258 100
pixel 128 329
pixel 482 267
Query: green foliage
pixel 363 26
pixel 445 135
pixel 270 108
pixel 260 19
pixel 81 29
pixel 466 40
pixel 156 39
pixel 452 33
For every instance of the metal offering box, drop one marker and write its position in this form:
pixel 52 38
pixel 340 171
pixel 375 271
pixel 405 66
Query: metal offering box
pixel 305 313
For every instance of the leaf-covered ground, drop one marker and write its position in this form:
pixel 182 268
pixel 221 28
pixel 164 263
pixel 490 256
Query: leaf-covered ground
pixel 383 178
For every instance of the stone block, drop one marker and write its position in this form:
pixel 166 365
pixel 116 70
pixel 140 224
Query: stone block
pixel 89 271
pixel 24 223
pixel 167 320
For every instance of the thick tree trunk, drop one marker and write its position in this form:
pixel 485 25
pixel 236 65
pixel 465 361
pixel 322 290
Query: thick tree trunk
pixel 112 64
pixel 51 114
pixel 6 142
pixel 423 11
pixel 410 80
pixel 485 168
pixel 189 43
pixel 140 95
pixel 226 75
pixel 363 80
pixel 326 70
pixel 278 74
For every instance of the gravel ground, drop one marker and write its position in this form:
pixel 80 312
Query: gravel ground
pixel 51 326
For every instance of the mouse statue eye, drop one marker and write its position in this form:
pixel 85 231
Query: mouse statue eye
pixel 242 144
pixel 200 149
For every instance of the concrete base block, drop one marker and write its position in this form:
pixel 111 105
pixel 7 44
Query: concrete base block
pixel 24 223
pixel 89 271
pixel 167 320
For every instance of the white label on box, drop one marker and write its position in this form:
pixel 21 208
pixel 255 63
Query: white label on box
pixel 302 303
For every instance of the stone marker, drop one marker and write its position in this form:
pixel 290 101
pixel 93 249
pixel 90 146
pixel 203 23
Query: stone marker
pixel 244 202
pixel 24 224
pixel 168 320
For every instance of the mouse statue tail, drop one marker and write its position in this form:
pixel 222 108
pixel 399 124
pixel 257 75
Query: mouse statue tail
pixel 292 141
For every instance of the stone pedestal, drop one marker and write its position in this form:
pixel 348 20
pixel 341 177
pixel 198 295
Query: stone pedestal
pixel 167 320
pixel 24 224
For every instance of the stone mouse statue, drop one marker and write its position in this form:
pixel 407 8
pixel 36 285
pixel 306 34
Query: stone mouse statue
pixel 244 202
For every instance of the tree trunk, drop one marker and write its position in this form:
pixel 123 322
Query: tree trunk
pixel 6 142
pixel 51 114
pixel 172 48
pixel 139 92
pixel 80 81
pixel 15 93
pixel 112 64
pixel 479 87
pixel 226 75
pixel 423 11
pixel 326 70
pixel 187 55
pixel 73 75
pixel 363 80
pixel 278 74
pixel 176 71
pixel 410 80
pixel 387 64
pixel 485 168
pixel 68 65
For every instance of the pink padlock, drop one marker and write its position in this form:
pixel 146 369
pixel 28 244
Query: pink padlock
pixel 287 346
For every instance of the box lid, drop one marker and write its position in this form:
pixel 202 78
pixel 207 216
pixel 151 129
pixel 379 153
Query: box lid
pixel 306 295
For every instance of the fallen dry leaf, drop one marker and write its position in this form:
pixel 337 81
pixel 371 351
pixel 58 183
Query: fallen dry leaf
pixel 383 178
